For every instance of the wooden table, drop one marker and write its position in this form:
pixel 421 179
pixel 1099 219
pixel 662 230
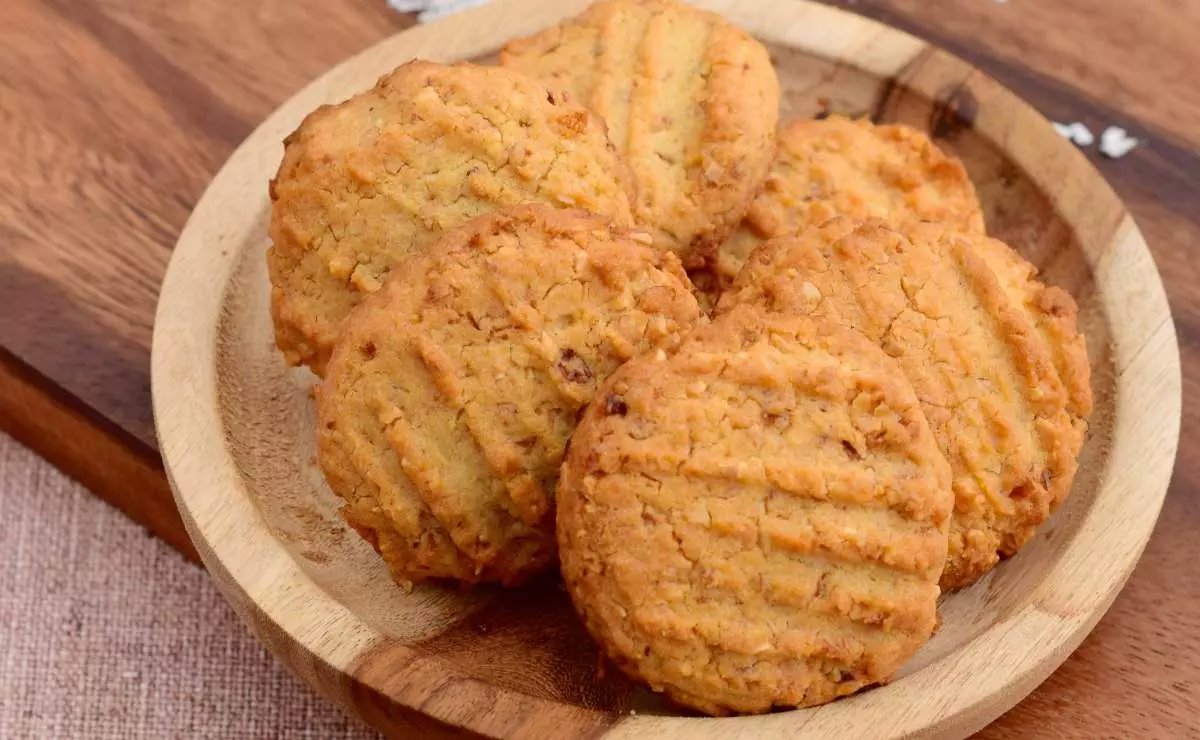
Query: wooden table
pixel 115 114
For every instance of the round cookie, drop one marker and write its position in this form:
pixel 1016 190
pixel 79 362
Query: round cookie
pixel 758 519
pixel 691 101
pixel 995 357
pixel 381 176
pixel 841 167
pixel 452 392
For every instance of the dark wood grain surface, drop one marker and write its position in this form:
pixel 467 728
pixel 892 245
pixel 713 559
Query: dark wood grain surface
pixel 116 113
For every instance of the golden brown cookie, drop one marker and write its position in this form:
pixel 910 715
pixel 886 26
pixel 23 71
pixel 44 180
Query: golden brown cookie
pixel 381 176
pixel 995 357
pixel 840 167
pixel 452 392
pixel 758 519
pixel 691 101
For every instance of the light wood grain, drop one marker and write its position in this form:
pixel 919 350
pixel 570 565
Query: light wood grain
pixel 236 431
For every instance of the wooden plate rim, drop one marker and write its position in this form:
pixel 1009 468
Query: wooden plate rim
pixel 248 562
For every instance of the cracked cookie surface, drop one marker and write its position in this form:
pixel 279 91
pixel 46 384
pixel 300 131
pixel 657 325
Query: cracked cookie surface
pixel 452 392
pixel 842 167
pixel 691 101
pixel 365 183
pixel 757 519
pixel 995 357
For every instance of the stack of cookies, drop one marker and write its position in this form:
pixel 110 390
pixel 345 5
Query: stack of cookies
pixel 761 393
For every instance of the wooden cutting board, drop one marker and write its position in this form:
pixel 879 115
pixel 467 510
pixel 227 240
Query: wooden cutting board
pixel 117 113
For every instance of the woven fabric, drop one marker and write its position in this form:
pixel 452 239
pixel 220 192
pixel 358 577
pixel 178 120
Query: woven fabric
pixel 106 632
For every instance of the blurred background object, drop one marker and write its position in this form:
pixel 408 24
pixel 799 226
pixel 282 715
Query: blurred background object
pixel 431 10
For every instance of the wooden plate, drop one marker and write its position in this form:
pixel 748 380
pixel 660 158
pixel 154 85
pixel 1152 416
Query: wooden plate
pixel 236 430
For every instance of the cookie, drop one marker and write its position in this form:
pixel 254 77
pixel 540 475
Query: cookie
pixel 841 167
pixel 757 519
pixel 691 101
pixel 995 357
pixel 370 181
pixel 452 392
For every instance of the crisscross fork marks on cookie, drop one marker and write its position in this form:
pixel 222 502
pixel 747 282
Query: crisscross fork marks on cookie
pixel 984 359
pixel 475 359
pixel 701 576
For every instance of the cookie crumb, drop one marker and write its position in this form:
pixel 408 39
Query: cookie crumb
pixel 1075 132
pixel 1116 142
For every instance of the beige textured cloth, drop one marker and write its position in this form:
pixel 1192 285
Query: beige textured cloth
pixel 106 632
